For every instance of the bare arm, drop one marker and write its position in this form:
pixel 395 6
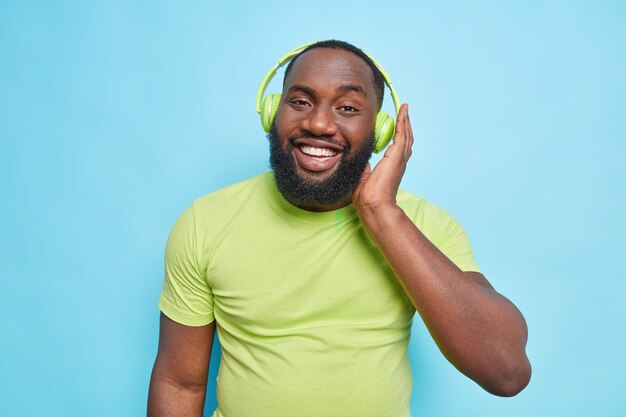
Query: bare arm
pixel 478 330
pixel 179 377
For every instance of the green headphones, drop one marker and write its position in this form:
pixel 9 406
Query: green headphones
pixel 383 132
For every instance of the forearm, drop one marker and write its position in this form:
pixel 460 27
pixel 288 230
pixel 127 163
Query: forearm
pixel 167 398
pixel 478 330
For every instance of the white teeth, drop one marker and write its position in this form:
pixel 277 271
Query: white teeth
pixel 313 151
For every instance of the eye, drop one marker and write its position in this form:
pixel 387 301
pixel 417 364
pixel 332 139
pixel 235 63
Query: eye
pixel 298 102
pixel 348 109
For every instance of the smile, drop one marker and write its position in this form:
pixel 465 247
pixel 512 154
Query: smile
pixel 317 152
pixel 318 159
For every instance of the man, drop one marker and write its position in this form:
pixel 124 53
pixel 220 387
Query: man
pixel 312 273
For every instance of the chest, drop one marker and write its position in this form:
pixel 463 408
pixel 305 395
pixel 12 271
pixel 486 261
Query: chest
pixel 279 277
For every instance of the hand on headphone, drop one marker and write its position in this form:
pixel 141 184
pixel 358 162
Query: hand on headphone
pixel 377 188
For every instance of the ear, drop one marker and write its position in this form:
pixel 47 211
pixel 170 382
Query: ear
pixel 269 107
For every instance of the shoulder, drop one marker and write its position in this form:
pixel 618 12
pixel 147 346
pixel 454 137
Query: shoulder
pixel 232 195
pixel 419 209
pixel 207 218
pixel 431 219
pixel 440 228
pixel 411 204
pixel 224 203
pixel 209 213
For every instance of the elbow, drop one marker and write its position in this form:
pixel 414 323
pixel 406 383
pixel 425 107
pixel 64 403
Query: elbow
pixel 512 381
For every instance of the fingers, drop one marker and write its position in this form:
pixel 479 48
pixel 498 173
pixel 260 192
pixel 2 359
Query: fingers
pixel 409 135
pixel 400 133
pixel 403 137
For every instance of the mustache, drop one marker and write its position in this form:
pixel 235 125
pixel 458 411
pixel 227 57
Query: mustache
pixel 327 139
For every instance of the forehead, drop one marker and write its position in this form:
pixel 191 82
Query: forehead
pixel 325 66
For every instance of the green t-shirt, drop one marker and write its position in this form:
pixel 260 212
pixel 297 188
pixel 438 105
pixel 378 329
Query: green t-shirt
pixel 311 319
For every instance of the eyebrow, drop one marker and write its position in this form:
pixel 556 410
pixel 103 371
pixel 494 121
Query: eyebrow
pixel 352 87
pixel 347 87
pixel 297 87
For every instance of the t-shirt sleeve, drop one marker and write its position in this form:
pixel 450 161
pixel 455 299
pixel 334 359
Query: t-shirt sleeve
pixel 186 297
pixel 445 232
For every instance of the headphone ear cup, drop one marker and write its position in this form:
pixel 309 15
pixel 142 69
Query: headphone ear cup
pixel 269 107
pixel 383 132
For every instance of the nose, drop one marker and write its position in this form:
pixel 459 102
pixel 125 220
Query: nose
pixel 320 121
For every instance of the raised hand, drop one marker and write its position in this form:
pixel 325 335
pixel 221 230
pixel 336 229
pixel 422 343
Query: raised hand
pixel 378 187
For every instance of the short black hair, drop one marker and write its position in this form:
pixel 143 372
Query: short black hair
pixel 378 81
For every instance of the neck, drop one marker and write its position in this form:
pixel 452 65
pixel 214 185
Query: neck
pixel 326 207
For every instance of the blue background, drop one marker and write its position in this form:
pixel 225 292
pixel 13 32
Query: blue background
pixel 115 115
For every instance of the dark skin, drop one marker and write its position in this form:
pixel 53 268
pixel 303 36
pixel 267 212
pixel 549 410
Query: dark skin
pixel 478 330
pixel 327 99
pixel 329 93
pixel 179 376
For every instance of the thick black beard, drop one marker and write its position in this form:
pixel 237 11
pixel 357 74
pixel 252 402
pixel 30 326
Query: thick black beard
pixel 303 192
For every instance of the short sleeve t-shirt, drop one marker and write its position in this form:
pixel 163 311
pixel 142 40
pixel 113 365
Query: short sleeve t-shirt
pixel 311 319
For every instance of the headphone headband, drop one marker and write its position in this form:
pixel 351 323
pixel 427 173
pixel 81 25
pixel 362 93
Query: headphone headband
pixel 293 53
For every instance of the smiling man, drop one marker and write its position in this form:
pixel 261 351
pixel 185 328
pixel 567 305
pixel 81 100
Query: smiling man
pixel 312 273
pixel 320 162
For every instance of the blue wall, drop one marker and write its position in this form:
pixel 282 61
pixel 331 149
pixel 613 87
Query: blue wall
pixel 115 115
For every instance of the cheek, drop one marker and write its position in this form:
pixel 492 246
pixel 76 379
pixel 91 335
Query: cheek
pixel 360 129
pixel 285 121
pixel 279 133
